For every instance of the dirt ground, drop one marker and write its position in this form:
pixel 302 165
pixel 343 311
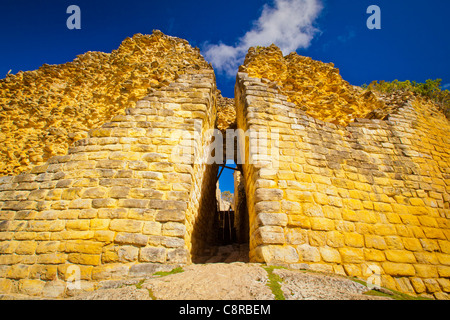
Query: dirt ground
pixel 231 281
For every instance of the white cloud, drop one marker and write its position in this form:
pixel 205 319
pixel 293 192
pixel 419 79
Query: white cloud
pixel 446 86
pixel 288 24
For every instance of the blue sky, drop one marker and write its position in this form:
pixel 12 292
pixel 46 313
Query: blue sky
pixel 412 43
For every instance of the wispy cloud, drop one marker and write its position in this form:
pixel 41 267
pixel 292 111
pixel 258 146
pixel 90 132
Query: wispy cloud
pixel 446 86
pixel 288 24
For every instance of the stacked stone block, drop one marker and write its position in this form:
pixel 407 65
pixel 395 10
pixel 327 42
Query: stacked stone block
pixel 370 200
pixel 120 203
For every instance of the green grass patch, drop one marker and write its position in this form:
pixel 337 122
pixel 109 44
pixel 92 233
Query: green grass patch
pixel 150 293
pixel 167 273
pixel 275 282
pixel 139 284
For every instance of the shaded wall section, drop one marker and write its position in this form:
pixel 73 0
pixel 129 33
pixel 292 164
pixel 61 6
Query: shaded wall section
pixel 369 198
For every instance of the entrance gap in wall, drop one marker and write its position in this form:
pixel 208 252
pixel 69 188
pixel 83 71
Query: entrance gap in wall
pixel 230 219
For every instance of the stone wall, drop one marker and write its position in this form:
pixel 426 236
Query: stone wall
pixel 42 112
pixel 367 199
pixel 138 194
pixel 125 201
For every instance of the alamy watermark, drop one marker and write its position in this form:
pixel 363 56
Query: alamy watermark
pixel 257 147
pixel 73 281
pixel 374 278
pixel 74 21
pixel 374 21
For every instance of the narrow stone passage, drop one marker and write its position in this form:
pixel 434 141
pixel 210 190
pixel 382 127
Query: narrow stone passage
pixel 227 254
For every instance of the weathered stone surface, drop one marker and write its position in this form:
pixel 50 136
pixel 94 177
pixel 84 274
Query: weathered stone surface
pixel 131 238
pixel 151 254
pixel 30 143
pixel 349 200
pixel 147 269
pixel 372 194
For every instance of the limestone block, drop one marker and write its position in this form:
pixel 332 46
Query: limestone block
pixel 426 271
pixel 335 239
pixel 8 247
pixel 54 289
pixel 111 164
pixel 418 285
pixel 104 203
pixel 152 228
pixel 31 287
pixel 272 219
pixel 104 236
pixel 291 207
pixel 322 224
pixel 40 226
pixel 98 224
pixel 173 229
pixel 444 259
pixel 353 239
pixel 126 225
pixel 95 193
pixel 402 256
pixel 84 259
pixel 133 203
pixel 37 195
pixel 141 214
pixel 81 225
pixel 18 271
pixel 330 255
pixel 113 213
pixel 170 215
pixel 351 255
pixel 110 271
pixel 83 246
pixel 26 247
pixel 131 238
pixel 119 192
pixel 167 204
pixel 171 242
pixel 398 269
pixel 43 272
pixel 374 241
pixel 432 285
pixel 269 235
pixel 308 253
pixel 277 254
pixel 5 286
pixel 445 284
pixel 264 194
pixel 152 254
pixel 444 245
pixel 127 253
pixel 268 207
pixel 374 255
pixel 80 204
pixel 145 269
pixel 178 255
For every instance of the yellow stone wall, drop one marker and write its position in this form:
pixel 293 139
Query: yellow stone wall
pixel 315 87
pixel 122 202
pixel 43 112
pixel 372 197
